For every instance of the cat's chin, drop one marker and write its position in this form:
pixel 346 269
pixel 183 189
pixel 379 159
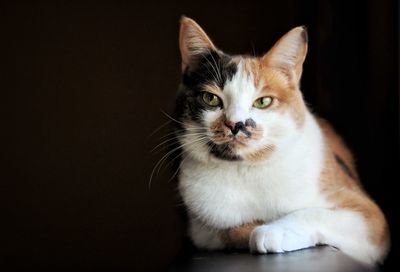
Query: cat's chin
pixel 240 151
pixel 233 150
pixel 227 157
pixel 225 151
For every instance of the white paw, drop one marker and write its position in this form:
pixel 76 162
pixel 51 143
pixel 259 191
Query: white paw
pixel 279 238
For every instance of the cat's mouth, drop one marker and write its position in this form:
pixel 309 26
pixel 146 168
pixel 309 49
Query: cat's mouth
pixel 237 141
pixel 225 145
pixel 234 141
pixel 229 143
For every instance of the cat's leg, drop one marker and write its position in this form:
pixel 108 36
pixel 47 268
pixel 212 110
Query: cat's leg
pixel 345 229
pixel 205 237
pixel 210 238
pixel 238 237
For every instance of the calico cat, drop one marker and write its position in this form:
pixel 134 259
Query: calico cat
pixel 259 170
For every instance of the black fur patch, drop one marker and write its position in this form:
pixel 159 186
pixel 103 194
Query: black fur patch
pixel 250 123
pixel 223 151
pixel 211 67
pixel 208 68
pixel 344 167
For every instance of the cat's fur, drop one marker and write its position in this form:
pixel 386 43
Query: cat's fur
pixel 286 181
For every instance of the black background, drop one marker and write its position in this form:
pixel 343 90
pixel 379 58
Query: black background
pixel 86 83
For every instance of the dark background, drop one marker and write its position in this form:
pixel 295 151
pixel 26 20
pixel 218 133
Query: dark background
pixel 86 83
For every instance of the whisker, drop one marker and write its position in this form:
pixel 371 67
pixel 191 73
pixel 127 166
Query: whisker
pixel 210 72
pixel 253 49
pixel 177 138
pixel 161 161
pixel 181 154
pixel 218 78
pixel 164 142
pixel 160 127
pixel 176 172
pixel 194 144
pixel 169 134
pixel 172 118
pixel 176 131
pixel 217 67
pixel 171 152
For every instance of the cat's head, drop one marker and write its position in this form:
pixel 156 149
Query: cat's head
pixel 238 107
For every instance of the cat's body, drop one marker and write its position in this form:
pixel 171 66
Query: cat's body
pixel 265 174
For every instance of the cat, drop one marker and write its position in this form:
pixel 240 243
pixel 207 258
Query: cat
pixel 259 171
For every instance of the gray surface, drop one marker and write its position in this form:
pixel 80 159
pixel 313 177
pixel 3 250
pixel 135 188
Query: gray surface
pixel 321 259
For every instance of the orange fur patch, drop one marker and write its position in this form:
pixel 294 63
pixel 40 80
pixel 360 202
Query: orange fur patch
pixel 252 68
pixel 345 192
pixel 278 85
pixel 239 237
pixel 260 154
pixel 274 82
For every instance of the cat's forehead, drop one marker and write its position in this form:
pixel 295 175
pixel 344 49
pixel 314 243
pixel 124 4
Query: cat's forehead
pixel 246 79
pixel 253 78
pixel 234 76
pixel 230 75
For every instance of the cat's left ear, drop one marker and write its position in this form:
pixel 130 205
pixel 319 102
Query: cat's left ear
pixel 289 53
pixel 193 41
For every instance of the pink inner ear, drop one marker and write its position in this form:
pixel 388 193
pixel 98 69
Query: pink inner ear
pixel 288 53
pixel 192 41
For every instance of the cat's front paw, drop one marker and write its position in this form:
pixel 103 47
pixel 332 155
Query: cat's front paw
pixel 279 238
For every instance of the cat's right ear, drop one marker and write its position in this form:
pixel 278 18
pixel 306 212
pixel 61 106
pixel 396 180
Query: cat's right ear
pixel 289 53
pixel 193 41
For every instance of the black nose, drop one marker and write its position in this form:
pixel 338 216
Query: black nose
pixel 237 127
pixel 240 126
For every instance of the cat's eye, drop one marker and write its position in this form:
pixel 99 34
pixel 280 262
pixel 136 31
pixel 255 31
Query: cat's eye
pixel 263 102
pixel 211 99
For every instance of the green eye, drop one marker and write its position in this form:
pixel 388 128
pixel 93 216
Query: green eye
pixel 263 102
pixel 211 99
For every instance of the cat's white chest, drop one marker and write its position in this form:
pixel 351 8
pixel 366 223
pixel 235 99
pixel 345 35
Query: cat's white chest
pixel 231 194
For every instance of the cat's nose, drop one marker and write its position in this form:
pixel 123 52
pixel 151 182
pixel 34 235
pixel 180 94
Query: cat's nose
pixel 235 127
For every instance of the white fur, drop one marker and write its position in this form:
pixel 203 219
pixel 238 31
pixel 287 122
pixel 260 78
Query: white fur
pixel 304 228
pixel 282 190
pixel 239 96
